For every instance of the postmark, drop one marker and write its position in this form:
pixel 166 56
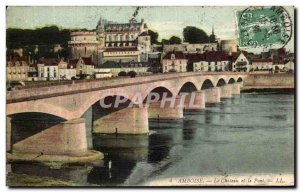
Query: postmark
pixel 264 27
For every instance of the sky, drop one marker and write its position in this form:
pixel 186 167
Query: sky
pixel 167 21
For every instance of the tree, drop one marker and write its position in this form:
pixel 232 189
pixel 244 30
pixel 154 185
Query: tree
pixel 153 36
pixel 212 38
pixel 122 73
pixel 132 74
pixel 165 41
pixel 193 34
pixel 174 40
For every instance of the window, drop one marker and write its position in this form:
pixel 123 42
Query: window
pixel 173 56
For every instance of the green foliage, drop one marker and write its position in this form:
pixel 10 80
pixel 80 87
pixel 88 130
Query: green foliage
pixel 153 36
pixel 38 42
pixel 212 38
pixel 193 34
pixel 165 42
pixel 41 36
pixel 174 40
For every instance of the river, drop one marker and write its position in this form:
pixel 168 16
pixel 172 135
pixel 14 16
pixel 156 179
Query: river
pixel 247 134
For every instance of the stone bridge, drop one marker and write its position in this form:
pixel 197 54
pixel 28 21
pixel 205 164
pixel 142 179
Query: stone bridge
pixel 76 113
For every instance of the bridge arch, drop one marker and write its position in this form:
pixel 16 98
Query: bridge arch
pixel 38 107
pixel 94 97
pixel 187 87
pixel 231 81
pixel 221 82
pixel 27 124
pixel 160 90
pixel 207 84
pixel 239 79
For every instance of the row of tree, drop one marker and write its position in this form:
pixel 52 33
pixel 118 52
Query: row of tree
pixel 191 34
pixel 16 38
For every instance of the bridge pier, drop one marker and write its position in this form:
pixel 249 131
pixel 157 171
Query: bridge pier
pixel 235 89
pixel 213 95
pixel 129 120
pixel 63 142
pixel 167 111
pixel 195 101
pixel 68 137
pixel 226 91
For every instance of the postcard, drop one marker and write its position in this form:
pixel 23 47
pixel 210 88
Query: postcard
pixel 150 96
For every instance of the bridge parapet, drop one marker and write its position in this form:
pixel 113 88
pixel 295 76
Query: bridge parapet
pixel 79 87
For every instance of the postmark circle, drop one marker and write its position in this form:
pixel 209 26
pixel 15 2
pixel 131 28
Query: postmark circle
pixel 264 27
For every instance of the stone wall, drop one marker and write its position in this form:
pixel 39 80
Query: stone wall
pixel 280 80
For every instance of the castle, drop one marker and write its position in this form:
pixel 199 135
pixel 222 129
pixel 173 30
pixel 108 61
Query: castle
pixel 120 42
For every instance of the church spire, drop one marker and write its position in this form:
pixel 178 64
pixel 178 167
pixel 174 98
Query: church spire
pixel 212 30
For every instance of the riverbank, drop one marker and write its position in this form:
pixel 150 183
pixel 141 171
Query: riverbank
pixel 23 180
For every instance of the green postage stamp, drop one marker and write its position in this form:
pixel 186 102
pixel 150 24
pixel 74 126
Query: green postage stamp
pixel 264 27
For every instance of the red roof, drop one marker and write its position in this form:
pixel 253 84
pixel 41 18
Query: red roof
pixel 178 55
pixel 73 61
pixel 208 56
pixel 216 56
pixel 49 61
pixel 194 57
pixel 87 60
pixel 17 58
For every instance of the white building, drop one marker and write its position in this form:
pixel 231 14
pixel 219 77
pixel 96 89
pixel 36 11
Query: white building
pixel 84 65
pixel 174 62
pixel 66 71
pixel 48 69
pixel 212 61
pixel 240 62
pixel 17 69
pixel 262 64
pixel 141 68
pixel 191 48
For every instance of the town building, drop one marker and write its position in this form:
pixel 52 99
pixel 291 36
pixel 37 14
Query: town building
pixel 112 42
pixel 289 65
pixel 229 45
pixel 212 61
pixel 174 61
pixel 17 69
pixel 141 68
pixel 32 73
pixel 191 48
pixel 67 71
pixel 262 64
pixel 240 62
pixel 48 69
pixel 102 73
pixel 84 66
